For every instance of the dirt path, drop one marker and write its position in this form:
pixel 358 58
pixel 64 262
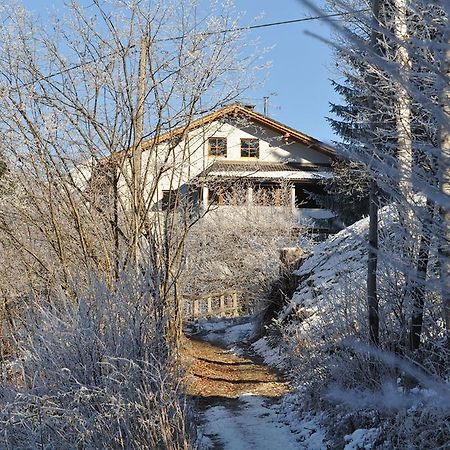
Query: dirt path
pixel 239 400
pixel 216 372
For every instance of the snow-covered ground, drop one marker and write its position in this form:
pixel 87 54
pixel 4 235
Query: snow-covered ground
pixel 307 425
pixel 251 421
pixel 361 438
pixel 259 423
pixel 225 332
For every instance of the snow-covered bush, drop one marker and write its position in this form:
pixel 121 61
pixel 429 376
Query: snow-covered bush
pixel 327 319
pixel 237 246
pixel 421 427
pixel 95 373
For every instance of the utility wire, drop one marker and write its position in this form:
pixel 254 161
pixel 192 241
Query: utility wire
pixel 304 19
pixel 271 24
pixel 208 33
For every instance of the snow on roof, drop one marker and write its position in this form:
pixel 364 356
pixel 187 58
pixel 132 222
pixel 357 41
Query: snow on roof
pixel 294 175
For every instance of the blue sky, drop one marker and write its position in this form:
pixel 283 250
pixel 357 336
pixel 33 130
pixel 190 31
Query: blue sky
pixel 298 80
pixel 300 71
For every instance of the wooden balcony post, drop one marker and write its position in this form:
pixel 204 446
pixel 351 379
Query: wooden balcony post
pixel 293 205
pixel 250 195
pixel 210 306
pixel 222 305
pixel 195 308
pixel 235 303
pixel 205 197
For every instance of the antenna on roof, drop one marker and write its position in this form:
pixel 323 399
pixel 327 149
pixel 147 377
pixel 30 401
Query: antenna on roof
pixel 266 106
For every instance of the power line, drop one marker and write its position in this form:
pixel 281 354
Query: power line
pixel 209 33
pixel 304 19
pixel 270 24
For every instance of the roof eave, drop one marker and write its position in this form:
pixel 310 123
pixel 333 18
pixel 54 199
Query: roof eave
pixel 236 109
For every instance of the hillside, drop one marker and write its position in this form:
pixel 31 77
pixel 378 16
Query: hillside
pixel 364 394
pixel 330 297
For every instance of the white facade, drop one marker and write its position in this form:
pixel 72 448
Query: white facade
pixel 183 156
pixel 192 156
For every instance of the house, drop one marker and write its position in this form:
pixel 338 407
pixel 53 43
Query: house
pixel 236 145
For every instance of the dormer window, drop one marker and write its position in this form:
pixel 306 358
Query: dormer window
pixel 217 147
pixel 249 148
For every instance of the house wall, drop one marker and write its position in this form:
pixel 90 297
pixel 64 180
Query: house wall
pixel 190 157
pixel 272 147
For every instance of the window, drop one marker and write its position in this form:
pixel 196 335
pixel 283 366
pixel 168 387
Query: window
pixel 169 200
pixel 308 195
pixel 218 147
pixel 249 148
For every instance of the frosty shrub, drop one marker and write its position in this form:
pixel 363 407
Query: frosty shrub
pixel 422 426
pixel 236 246
pixel 94 373
pixel 326 320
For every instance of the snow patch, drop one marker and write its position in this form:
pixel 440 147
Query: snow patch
pixel 361 438
pixel 263 424
pixel 226 331
pixel 272 356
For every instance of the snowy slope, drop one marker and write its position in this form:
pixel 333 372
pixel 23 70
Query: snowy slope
pixel 330 297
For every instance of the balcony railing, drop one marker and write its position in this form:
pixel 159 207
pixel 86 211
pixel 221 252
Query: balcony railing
pixel 223 304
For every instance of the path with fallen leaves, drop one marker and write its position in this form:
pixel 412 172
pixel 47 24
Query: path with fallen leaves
pixel 239 399
pixel 217 372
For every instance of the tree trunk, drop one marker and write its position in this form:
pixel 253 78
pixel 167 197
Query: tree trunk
pixel 404 135
pixel 444 177
pixel 115 224
pixel 372 261
pixel 372 296
pixel 137 151
pixel 418 283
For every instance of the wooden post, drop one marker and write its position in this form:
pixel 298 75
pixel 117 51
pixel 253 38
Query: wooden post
pixel 205 195
pixel 250 195
pixel 293 205
pixel 235 303
pixel 209 306
pixel 195 309
pixel 222 305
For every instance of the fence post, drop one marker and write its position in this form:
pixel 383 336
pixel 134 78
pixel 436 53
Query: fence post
pixel 235 303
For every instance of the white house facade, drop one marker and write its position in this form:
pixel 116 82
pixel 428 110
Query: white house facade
pixel 237 147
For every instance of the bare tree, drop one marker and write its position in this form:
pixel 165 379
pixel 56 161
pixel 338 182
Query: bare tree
pixel 236 246
pixel 89 108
